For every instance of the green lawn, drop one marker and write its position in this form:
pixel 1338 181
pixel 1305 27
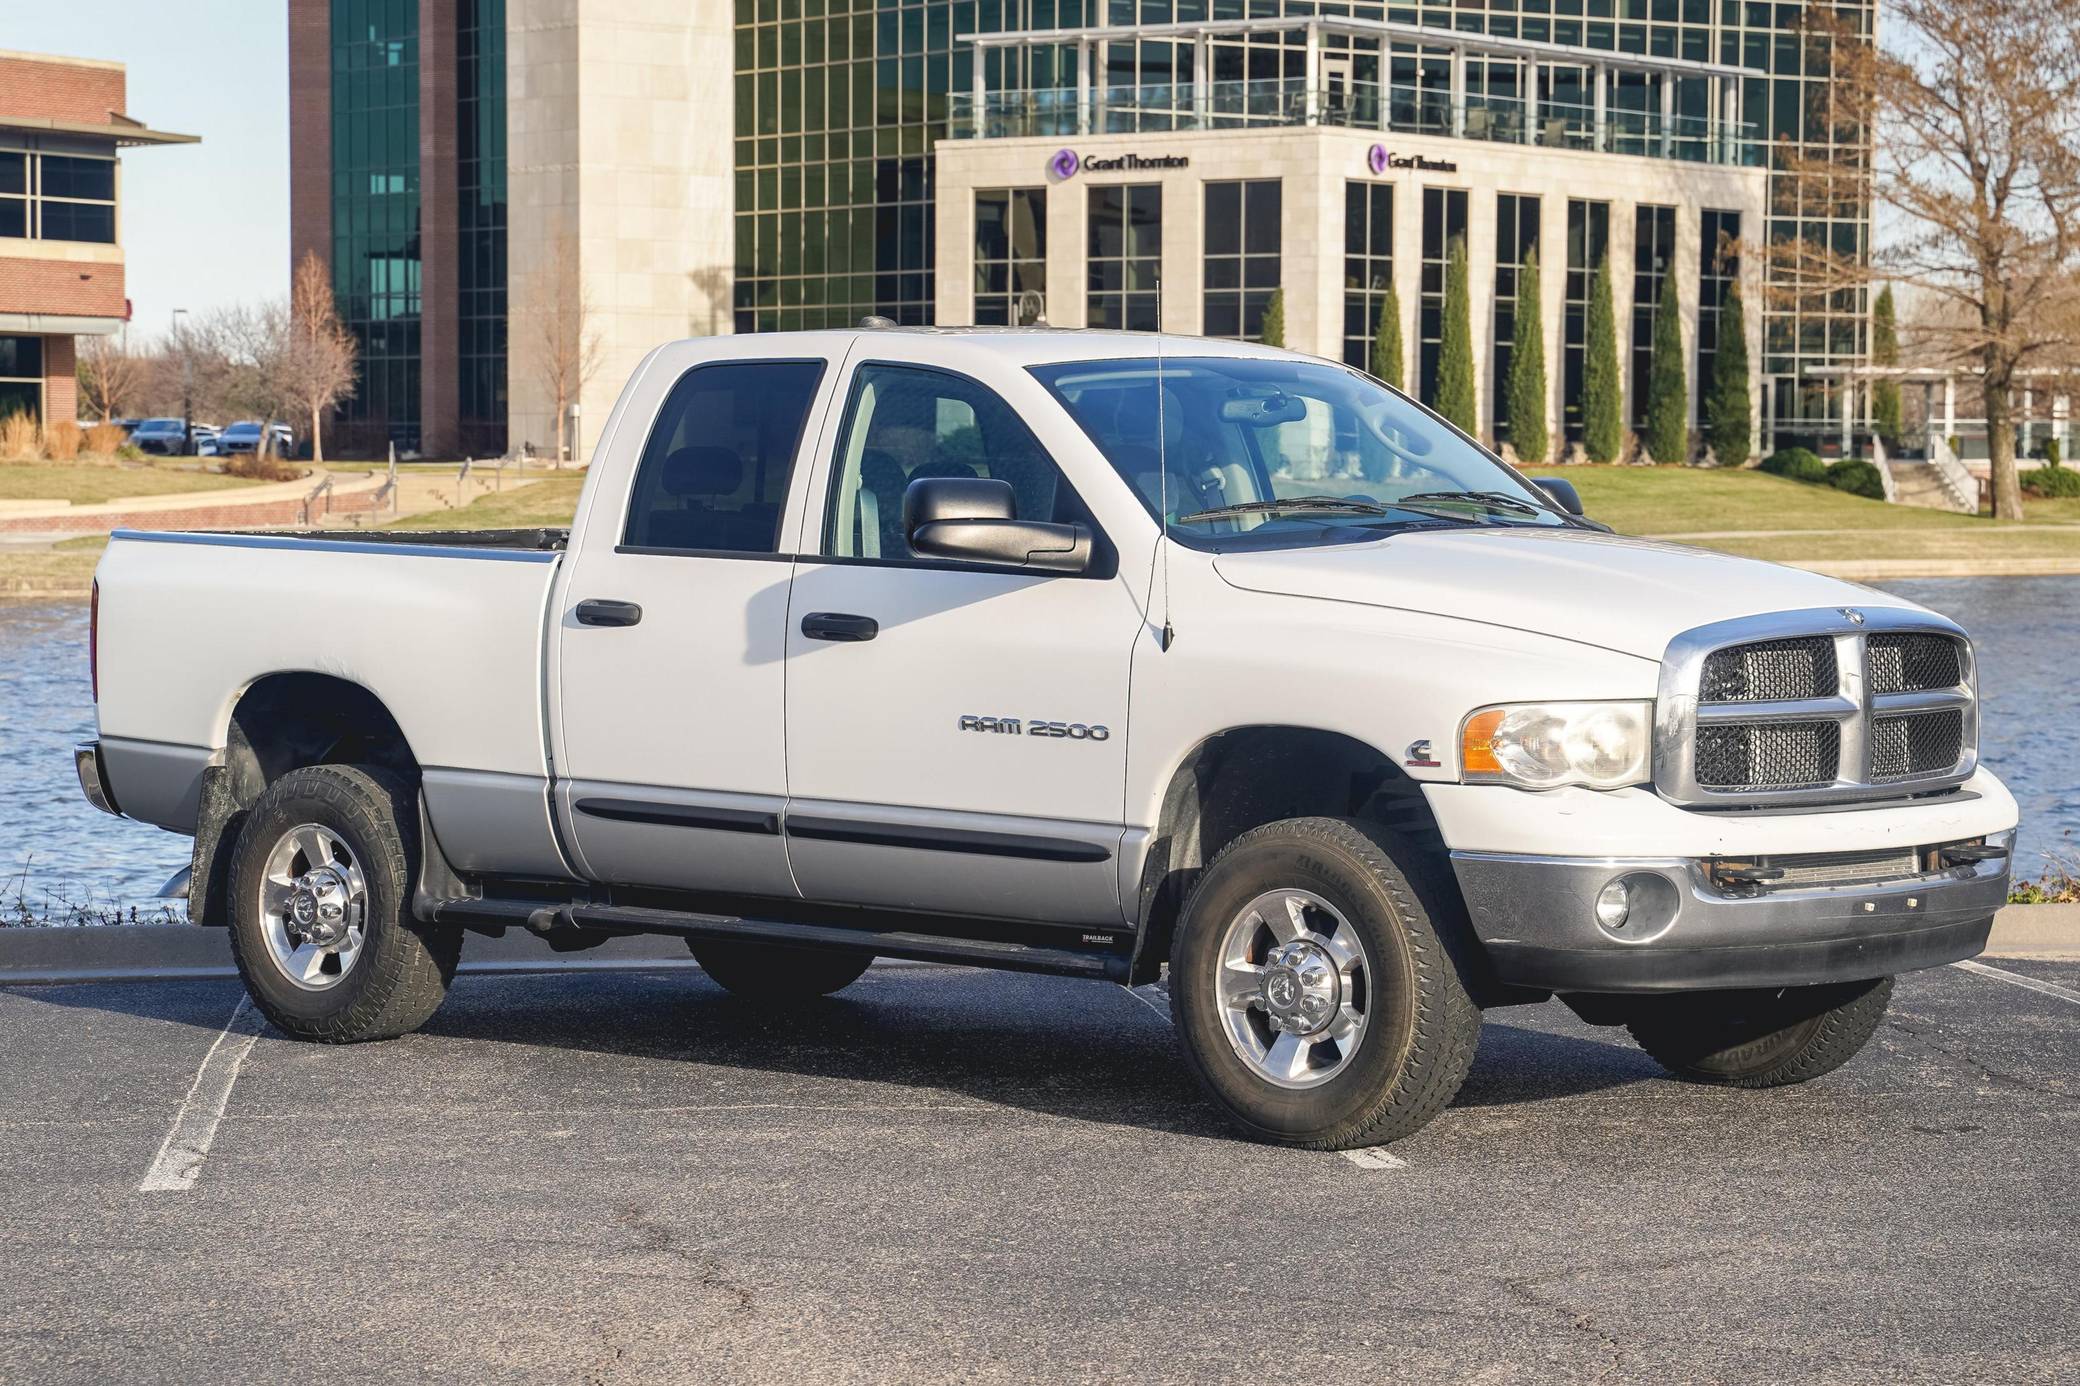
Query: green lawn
pixel 86 483
pixel 548 503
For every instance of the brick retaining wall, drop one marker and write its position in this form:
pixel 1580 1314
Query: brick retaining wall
pixel 288 511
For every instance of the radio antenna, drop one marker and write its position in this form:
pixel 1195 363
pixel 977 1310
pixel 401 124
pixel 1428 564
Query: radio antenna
pixel 1167 635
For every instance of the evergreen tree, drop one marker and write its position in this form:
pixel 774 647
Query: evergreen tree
pixel 1885 416
pixel 1526 397
pixel 1386 342
pixel 1273 332
pixel 1668 385
pixel 1728 426
pixel 1455 351
pixel 1603 405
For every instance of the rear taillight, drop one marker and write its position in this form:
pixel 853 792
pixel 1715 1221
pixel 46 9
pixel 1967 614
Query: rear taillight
pixel 94 642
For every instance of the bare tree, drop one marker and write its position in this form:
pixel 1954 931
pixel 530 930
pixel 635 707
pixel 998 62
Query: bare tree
pixel 1977 155
pixel 564 346
pixel 109 374
pixel 247 351
pixel 317 356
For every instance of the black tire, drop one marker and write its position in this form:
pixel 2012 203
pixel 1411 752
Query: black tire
pixel 1420 1026
pixel 404 967
pixel 776 972
pixel 1761 1039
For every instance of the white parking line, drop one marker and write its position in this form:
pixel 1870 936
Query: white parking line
pixel 181 1155
pixel 2017 979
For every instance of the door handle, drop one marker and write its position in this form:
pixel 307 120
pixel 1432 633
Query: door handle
pixel 596 612
pixel 838 625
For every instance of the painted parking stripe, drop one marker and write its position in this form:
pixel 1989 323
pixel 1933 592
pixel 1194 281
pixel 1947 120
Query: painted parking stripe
pixel 2017 979
pixel 186 1147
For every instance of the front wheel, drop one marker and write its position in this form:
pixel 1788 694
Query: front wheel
pixel 321 921
pixel 1314 995
pixel 1764 1038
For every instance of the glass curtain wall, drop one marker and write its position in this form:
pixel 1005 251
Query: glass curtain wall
pixel 480 182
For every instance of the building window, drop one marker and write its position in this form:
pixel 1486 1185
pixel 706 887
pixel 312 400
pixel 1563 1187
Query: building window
pixel 1588 239
pixel 1444 221
pixel 1242 257
pixel 1516 236
pixel 1653 252
pixel 21 376
pixel 1368 267
pixel 1125 256
pixel 57 197
pixel 480 184
pixel 1011 256
pixel 1718 269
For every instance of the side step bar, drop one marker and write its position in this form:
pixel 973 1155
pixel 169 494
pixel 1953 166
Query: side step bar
pixel 969 952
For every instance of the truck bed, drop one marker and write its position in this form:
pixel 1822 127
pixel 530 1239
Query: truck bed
pixel 538 540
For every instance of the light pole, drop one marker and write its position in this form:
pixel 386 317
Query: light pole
pixel 180 344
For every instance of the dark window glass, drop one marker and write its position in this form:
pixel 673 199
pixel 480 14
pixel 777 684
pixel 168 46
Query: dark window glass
pixel 1010 256
pixel 905 424
pixel 1516 236
pixel 89 178
pixel 14 217
pixel 714 473
pixel 79 221
pixel 1653 254
pixel 1125 241
pixel 21 356
pixel 1242 263
pixel 1368 267
pixel 14 173
pixel 21 397
pixel 1588 238
pixel 1444 221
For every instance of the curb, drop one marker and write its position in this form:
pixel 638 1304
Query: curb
pixel 182 952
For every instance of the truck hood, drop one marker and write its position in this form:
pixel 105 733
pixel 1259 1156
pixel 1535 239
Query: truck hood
pixel 1628 595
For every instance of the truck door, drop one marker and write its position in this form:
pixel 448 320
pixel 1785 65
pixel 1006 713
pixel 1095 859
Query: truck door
pixel 672 626
pixel 956 732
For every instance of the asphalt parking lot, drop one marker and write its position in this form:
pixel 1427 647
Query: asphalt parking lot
pixel 945 1174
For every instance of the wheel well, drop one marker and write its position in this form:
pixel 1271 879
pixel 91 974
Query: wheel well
pixel 284 722
pixel 1250 776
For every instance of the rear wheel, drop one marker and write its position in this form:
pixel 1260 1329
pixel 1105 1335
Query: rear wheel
pixel 321 922
pixel 1761 1039
pixel 1314 995
pixel 776 972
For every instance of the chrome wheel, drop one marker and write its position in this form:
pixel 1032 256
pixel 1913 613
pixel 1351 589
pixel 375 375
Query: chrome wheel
pixel 1294 988
pixel 313 907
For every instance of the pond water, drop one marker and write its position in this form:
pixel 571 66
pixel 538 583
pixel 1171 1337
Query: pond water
pixel 58 855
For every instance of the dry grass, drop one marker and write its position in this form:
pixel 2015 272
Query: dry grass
pixel 20 439
pixel 61 441
pixel 105 438
pixel 253 467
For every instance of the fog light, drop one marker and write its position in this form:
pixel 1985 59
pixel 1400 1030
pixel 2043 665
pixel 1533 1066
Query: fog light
pixel 1614 905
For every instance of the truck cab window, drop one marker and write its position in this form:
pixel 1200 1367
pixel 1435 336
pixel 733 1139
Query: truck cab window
pixel 714 473
pixel 904 424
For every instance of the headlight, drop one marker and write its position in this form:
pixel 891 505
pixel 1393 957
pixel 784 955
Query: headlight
pixel 1547 745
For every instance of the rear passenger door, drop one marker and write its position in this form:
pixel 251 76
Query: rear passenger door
pixel 956 732
pixel 672 628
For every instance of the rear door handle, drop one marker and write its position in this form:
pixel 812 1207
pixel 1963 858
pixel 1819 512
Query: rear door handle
pixel 597 612
pixel 838 625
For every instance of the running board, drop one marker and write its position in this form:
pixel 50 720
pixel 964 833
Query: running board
pixel 967 952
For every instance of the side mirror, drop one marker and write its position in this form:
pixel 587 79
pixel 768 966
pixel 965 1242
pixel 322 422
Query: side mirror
pixel 975 521
pixel 1562 492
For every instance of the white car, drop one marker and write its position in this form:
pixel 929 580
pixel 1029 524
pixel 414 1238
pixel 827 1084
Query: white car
pixel 1077 653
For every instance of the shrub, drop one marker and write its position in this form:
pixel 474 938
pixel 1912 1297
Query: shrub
pixel 20 440
pixel 1526 393
pixel 1796 464
pixel 1386 342
pixel 61 441
pixel 1858 478
pixel 2053 453
pixel 1455 350
pixel 1273 332
pixel 130 452
pixel 2054 482
pixel 1667 436
pixel 1603 412
pixel 1728 425
pixel 106 438
pixel 254 467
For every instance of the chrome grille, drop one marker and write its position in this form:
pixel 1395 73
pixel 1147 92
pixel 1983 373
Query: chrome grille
pixel 1836 704
pixel 1923 744
pixel 1770 669
pixel 1771 755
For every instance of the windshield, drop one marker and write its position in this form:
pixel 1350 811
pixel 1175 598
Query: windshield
pixel 1272 452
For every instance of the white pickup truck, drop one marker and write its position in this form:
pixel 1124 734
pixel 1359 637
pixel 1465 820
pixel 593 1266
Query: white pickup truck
pixel 1076 653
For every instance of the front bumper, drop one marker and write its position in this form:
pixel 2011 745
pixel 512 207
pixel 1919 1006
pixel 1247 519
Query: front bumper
pixel 93 782
pixel 1536 916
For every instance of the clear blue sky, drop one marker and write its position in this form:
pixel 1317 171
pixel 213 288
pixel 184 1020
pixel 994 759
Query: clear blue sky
pixel 203 224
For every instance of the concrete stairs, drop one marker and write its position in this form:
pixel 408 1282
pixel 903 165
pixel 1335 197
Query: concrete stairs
pixel 1921 484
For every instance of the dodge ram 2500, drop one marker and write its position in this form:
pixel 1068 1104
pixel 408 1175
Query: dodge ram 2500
pixel 1077 653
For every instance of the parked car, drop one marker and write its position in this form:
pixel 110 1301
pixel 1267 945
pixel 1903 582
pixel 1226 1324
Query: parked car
pixel 1043 651
pixel 166 437
pixel 205 440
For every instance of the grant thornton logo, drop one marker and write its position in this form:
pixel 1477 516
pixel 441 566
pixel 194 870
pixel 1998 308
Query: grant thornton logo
pixel 1379 159
pixel 1064 163
pixel 1376 158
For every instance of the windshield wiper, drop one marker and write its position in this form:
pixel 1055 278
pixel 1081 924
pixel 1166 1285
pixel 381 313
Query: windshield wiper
pixel 1335 504
pixel 1485 500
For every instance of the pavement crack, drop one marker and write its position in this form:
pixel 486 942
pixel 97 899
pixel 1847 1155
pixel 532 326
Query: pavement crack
pixel 1532 1291
pixel 653 1238
pixel 1978 1065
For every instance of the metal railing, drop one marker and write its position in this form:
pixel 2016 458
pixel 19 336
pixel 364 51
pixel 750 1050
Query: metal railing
pixel 1273 102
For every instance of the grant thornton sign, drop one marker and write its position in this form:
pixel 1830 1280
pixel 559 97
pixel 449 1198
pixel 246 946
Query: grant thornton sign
pixel 1379 159
pixel 1066 162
